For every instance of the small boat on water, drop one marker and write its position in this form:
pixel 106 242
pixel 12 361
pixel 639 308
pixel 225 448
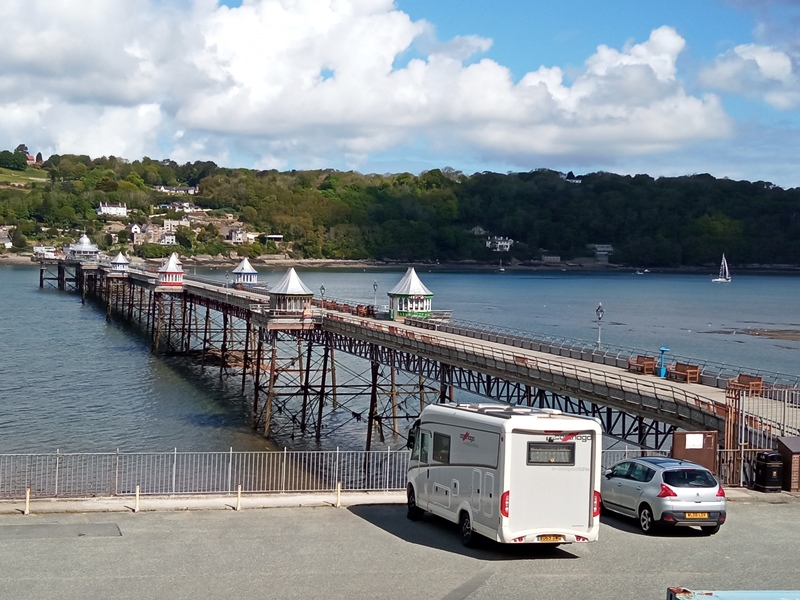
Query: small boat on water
pixel 724 274
pixel 501 269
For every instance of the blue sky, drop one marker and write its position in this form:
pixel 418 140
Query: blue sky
pixel 409 85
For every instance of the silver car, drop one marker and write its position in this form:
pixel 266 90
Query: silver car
pixel 665 492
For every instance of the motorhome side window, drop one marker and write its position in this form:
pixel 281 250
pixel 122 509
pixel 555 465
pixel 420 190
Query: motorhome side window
pixel 441 448
pixel 551 453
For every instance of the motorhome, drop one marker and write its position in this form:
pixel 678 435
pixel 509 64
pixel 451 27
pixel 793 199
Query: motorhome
pixel 512 474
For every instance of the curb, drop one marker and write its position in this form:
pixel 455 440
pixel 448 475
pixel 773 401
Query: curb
pixel 231 502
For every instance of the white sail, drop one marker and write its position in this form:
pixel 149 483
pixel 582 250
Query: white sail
pixel 724 274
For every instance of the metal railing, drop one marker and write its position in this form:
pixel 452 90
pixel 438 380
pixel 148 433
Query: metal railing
pixel 214 473
pixel 622 387
pixel 713 373
pixel 183 473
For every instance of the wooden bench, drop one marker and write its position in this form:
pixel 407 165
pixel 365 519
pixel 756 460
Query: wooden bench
pixel 683 371
pixel 646 365
pixel 751 384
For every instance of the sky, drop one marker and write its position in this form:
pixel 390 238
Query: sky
pixel 388 86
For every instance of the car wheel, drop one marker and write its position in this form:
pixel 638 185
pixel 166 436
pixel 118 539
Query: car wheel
pixel 467 534
pixel 710 529
pixel 414 511
pixel 646 522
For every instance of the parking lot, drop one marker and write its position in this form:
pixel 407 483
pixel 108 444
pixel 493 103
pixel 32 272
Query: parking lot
pixel 373 551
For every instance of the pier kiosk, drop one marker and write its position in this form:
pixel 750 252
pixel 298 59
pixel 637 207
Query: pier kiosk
pixel 244 274
pixel 409 298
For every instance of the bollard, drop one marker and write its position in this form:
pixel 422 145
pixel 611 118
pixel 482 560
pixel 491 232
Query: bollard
pixel 338 494
pixel 239 497
pixel 136 504
pixel 27 501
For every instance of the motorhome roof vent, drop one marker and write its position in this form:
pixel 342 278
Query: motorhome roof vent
pixel 551 411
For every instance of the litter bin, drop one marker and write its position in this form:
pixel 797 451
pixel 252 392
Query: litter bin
pixel 769 472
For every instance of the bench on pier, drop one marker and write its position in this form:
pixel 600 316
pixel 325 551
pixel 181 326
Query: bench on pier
pixel 751 384
pixel 682 371
pixel 646 365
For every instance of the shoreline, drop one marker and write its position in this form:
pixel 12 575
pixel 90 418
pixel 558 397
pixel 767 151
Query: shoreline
pixel 25 259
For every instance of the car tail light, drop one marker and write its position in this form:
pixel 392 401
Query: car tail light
pixel 720 492
pixel 666 492
pixel 596 504
pixel 504 502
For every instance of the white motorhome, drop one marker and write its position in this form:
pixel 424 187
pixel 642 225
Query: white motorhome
pixel 512 474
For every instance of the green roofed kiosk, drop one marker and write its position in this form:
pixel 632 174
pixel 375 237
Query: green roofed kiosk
pixel 409 298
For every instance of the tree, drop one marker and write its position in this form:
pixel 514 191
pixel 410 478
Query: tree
pixel 18 239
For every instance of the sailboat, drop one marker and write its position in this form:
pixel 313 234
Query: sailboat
pixel 724 274
pixel 501 269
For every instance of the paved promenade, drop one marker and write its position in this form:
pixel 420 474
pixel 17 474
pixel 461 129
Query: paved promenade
pixel 301 547
pixel 249 502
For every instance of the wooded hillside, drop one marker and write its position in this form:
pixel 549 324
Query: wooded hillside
pixel 664 222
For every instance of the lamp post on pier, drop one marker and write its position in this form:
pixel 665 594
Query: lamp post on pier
pixel 375 297
pixel 599 312
pixel 322 292
pixel 662 370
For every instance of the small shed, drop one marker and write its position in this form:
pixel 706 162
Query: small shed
pixel 245 274
pixel 171 272
pixel 409 298
pixel 119 264
pixel 789 449
pixel 290 295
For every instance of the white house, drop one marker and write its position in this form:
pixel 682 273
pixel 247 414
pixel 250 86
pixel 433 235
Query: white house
pixel 499 244
pixel 113 210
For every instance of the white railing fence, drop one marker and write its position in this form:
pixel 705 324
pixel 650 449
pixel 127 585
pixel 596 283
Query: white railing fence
pixel 195 473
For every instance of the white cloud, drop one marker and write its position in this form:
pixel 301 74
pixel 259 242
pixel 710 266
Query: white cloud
pixel 757 72
pixel 314 83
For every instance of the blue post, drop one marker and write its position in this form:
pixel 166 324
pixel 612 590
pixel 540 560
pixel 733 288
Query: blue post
pixel 662 370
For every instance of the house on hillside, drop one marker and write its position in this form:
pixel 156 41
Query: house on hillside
pixel 113 210
pixel 499 244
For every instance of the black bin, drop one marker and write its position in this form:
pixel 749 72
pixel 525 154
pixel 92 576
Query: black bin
pixel 769 472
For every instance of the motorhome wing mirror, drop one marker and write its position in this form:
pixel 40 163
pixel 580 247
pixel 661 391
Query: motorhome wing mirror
pixel 412 434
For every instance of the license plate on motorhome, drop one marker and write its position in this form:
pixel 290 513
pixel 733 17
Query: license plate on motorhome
pixel 551 538
pixel 696 515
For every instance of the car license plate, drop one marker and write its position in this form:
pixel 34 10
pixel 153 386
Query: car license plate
pixel 551 538
pixel 696 515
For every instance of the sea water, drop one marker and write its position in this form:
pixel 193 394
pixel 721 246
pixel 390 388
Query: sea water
pixel 70 381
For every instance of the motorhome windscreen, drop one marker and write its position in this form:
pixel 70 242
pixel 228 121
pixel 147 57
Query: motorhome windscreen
pixel 551 453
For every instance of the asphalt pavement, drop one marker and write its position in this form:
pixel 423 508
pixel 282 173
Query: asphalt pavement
pixel 301 547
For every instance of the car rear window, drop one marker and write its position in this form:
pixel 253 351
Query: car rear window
pixel 682 478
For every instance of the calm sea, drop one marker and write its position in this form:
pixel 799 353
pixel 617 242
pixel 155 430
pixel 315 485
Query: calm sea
pixel 72 382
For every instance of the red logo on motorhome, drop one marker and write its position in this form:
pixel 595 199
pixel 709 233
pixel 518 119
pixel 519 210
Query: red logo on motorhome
pixel 568 437
pixel 466 437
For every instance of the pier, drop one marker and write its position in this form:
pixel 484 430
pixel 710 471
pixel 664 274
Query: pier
pixel 285 351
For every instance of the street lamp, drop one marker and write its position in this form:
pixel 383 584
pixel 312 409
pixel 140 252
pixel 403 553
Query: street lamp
pixel 599 312
pixel 375 289
pixel 322 291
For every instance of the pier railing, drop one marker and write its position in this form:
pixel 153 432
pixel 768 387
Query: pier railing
pixel 213 473
pixel 711 372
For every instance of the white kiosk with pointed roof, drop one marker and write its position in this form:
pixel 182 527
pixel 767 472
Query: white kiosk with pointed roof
pixel 245 274
pixel 171 272
pixel 290 295
pixel 409 298
pixel 119 264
